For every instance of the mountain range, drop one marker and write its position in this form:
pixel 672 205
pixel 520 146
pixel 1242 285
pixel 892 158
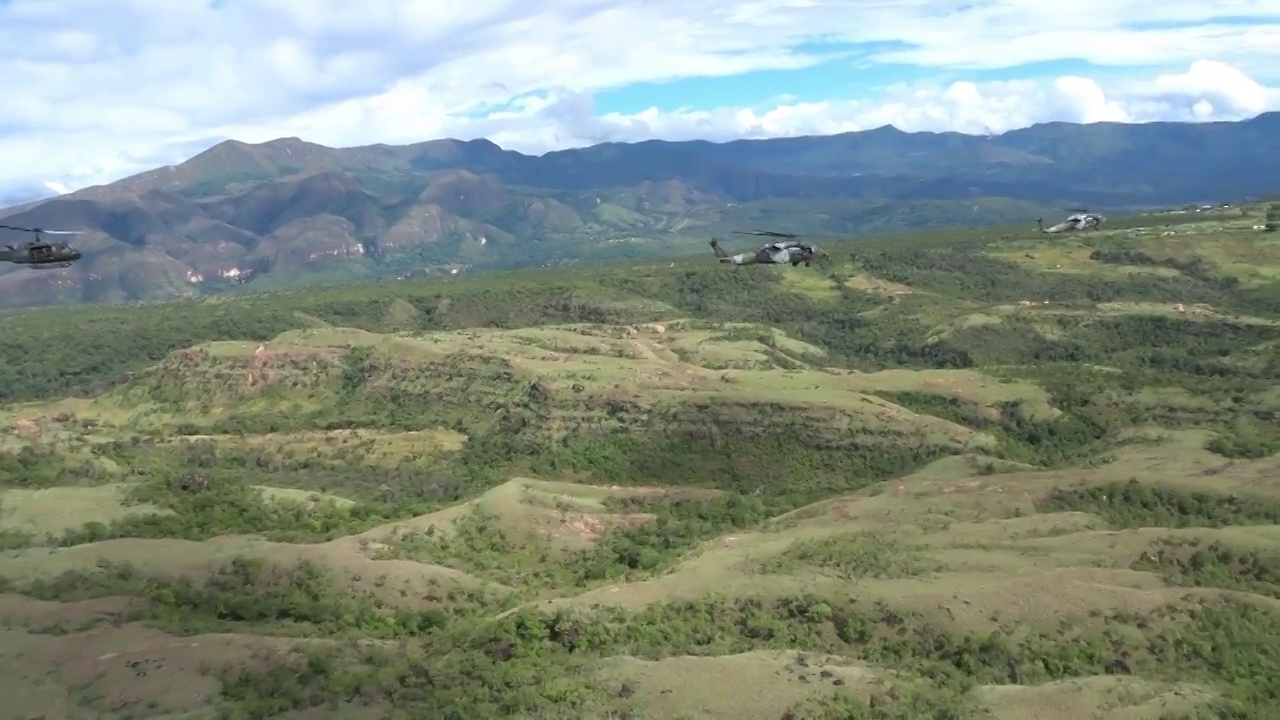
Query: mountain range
pixel 289 212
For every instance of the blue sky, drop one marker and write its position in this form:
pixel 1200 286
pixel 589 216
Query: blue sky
pixel 843 77
pixel 849 74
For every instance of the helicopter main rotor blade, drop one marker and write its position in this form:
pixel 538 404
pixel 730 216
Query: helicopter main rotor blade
pixel 766 233
pixel 42 230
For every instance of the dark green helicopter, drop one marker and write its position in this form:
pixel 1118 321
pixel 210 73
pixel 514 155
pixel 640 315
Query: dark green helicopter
pixel 40 254
pixel 786 248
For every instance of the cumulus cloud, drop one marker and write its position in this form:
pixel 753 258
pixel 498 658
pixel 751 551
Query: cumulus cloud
pixel 95 92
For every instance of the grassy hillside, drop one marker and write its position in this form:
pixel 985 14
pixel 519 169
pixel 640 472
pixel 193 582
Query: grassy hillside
pixel 972 475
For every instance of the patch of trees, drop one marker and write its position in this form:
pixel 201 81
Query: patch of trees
pixel 1084 428
pixel 227 504
pixel 1195 267
pixel 782 454
pixel 1130 342
pixel 1196 563
pixel 1134 504
pixel 15 539
pixel 852 556
pixel 1246 439
pixel 479 543
pixel 962 273
pixel 266 598
pixel 1181 643
pixel 677 526
pixel 35 466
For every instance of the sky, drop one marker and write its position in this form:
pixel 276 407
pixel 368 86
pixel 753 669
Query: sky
pixel 96 91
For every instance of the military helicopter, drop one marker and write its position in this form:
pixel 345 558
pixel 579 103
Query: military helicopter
pixel 1075 221
pixel 786 248
pixel 40 254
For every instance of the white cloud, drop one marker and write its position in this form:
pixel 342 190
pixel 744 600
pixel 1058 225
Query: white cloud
pixel 95 92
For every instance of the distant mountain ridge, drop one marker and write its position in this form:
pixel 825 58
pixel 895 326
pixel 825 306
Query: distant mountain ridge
pixel 288 211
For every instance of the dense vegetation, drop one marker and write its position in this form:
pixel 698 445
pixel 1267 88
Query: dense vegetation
pixel 1083 400
pixel 1133 504
pixel 56 351
pixel 529 663
pixel 1193 563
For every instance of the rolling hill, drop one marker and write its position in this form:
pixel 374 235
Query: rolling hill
pixel 955 474
pixel 290 212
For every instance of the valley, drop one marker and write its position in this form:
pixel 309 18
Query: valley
pixel 979 473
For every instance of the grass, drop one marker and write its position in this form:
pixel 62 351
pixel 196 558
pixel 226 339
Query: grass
pixel 295 495
pixel 130 671
pixel 291 374
pixel 811 285
pixel 559 512
pixel 758 685
pixel 945 479
pixel 1103 697
pixel 973 548
pixel 969 551
pixel 58 509
pixel 377 447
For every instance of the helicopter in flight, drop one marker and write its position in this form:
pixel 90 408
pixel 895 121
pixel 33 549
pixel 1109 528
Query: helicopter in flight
pixel 1074 222
pixel 38 253
pixel 786 248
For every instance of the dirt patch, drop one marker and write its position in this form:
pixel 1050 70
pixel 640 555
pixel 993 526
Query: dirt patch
pixel 587 528
pixel 640 491
pixel 28 429
pixel 641 351
pixel 965 487
pixel 879 286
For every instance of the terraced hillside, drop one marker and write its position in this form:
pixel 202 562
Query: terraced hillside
pixel 976 475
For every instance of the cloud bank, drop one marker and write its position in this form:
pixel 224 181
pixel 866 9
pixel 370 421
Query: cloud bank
pixel 98 91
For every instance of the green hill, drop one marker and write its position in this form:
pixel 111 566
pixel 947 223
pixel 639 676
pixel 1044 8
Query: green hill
pixel 966 474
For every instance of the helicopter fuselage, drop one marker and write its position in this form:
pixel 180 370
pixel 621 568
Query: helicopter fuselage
pixel 782 253
pixel 774 253
pixel 43 256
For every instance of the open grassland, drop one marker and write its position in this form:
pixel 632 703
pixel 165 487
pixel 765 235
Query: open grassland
pixel 984 475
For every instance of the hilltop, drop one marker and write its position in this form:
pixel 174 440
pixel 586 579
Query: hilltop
pixel 963 474
pixel 289 212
